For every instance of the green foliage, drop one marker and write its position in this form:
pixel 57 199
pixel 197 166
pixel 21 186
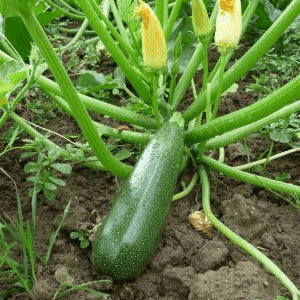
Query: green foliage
pixel 83 237
pixel 12 73
pixel 286 130
pixel 42 170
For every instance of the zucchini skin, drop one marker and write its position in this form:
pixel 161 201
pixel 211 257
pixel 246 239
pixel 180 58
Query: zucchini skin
pixel 130 233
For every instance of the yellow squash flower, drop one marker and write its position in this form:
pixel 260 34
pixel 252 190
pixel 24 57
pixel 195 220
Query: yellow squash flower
pixel 200 18
pixel 153 41
pixel 229 24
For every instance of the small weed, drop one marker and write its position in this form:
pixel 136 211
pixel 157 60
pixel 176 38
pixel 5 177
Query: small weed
pixel 83 237
pixel 42 170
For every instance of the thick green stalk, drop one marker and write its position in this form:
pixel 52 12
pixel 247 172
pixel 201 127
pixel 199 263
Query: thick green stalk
pixel 251 178
pixel 119 21
pixel 258 110
pixel 220 85
pixel 194 63
pixel 70 94
pixel 173 18
pixel 155 110
pixel 161 10
pixel 101 107
pixel 244 64
pixel 242 132
pixel 129 71
pixel 236 239
pixel 125 135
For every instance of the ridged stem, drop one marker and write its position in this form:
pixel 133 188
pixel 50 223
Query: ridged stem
pixel 70 94
pixel 172 18
pixel 161 11
pixel 242 132
pixel 244 64
pixel 236 239
pixel 258 110
pixel 125 135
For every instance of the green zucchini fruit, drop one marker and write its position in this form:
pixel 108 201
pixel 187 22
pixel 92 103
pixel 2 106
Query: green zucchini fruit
pixel 127 238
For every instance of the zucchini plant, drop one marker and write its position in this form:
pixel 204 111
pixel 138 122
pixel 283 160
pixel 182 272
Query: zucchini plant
pixel 127 238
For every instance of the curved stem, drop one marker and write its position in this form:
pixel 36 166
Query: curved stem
pixel 251 178
pixel 242 132
pixel 119 21
pixel 187 190
pixel 233 237
pixel 70 94
pixel 70 8
pixel 265 160
pixel 79 17
pixel 78 35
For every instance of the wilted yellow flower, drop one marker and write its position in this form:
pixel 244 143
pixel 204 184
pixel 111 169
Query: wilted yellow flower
pixel 229 24
pixel 153 41
pixel 200 18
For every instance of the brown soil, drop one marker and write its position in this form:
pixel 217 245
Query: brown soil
pixel 187 263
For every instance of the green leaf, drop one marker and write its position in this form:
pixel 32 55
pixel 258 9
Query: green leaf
pixel 50 186
pixel 62 168
pixel 54 153
pixel 75 235
pixel 57 181
pixel 7 10
pixel 11 74
pixel 232 89
pixel 18 35
pixel 123 154
pixel 84 243
pixel 27 154
pixel 49 194
pixel 33 179
pixel 280 136
pixel 31 167
pixel 284 176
